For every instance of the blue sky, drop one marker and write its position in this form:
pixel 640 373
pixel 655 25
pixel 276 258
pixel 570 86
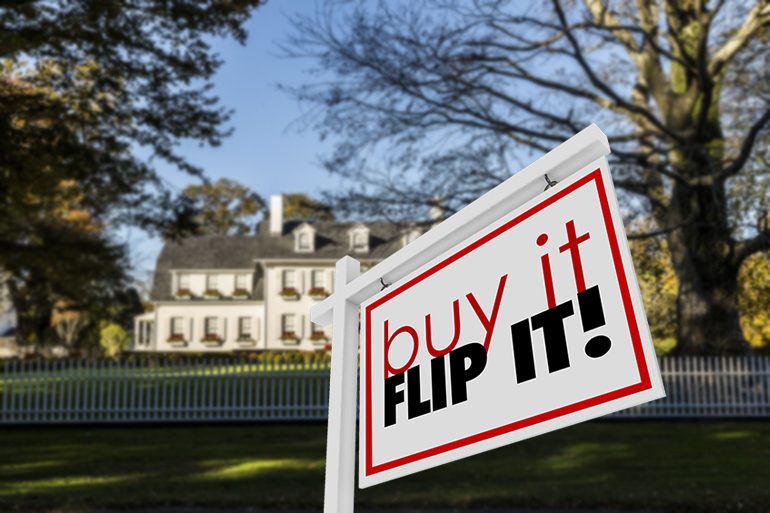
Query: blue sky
pixel 265 153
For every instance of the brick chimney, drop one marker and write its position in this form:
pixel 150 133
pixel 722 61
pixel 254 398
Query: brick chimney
pixel 276 215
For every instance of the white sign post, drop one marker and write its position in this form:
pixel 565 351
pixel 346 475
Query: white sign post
pixel 518 315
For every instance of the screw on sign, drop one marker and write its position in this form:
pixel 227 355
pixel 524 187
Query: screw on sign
pixel 517 316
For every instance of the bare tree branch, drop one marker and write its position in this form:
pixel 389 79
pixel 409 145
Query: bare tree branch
pixel 656 233
pixel 757 18
pixel 602 86
pixel 761 242
pixel 747 146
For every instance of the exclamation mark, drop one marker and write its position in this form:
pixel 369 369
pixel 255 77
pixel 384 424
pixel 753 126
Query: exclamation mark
pixel 592 316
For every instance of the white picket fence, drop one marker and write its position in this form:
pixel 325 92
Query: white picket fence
pixel 289 389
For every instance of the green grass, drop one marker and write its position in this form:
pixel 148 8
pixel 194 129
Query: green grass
pixel 677 466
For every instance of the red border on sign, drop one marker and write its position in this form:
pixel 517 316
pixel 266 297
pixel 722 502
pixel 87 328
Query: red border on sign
pixel 644 384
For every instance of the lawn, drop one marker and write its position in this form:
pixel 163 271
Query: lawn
pixel 675 466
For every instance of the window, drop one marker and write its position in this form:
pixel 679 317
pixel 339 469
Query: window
pixel 304 238
pixel 177 327
pixel 359 241
pixel 319 279
pixel 290 279
pixel 359 238
pixel 288 324
pixel 147 330
pixel 211 326
pixel 211 282
pixel 244 327
pixel 184 282
pixel 242 282
pixel 304 242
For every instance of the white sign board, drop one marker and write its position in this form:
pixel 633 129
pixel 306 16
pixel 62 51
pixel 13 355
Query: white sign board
pixel 533 324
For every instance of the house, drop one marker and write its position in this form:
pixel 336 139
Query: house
pixel 229 293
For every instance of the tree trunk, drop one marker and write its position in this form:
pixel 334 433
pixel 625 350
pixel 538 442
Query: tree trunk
pixel 33 313
pixel 708 315
pixel 702 255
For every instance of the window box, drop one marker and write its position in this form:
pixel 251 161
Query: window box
pixel 176 341
pixel 183 294
pixel 241 294
pixel 289 338
pixel 212 340
pixel 212 294
pixel 319 337
pixel 246 342
pixel 289 294
pixel 318 293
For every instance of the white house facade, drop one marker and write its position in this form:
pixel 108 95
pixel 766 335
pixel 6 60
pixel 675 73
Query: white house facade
pixel 251 293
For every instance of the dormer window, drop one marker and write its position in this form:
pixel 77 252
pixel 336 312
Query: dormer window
pixel 304 242
pixel 359 239
pixel 304 238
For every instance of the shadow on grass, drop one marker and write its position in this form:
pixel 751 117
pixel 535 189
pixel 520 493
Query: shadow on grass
pixel 672 466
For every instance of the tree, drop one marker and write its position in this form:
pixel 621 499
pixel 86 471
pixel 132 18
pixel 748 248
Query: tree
pixel 68 325
pixel 113 339
pixel 440 98
pixel 754 300
pixel 299 207
pixel 120 308
pixel 81 266
pixel 657 283
pixel 102 79
pixel 225 207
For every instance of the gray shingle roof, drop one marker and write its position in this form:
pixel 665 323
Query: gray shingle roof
pixel 239 251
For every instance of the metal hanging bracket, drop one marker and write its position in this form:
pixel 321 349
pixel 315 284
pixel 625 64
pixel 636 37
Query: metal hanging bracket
pixel 551 183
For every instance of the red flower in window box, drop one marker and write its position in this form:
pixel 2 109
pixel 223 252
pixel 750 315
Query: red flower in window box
pixel 288 335
pixel 240 293
pixel 318 292
pixel 289 292
pixel 318 335
pixel 175 338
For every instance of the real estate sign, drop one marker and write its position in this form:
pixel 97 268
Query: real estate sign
pixel 532 324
